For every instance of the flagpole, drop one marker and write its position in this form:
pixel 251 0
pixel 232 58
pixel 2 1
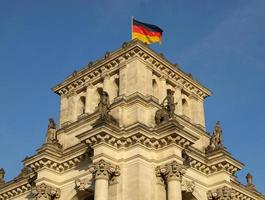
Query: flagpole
pixel 132 28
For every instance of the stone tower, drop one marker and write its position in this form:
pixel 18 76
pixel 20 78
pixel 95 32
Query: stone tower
pixel 131 127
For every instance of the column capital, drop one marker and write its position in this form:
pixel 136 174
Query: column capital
pixel 104 170
pixel 171 171
pixel 44 191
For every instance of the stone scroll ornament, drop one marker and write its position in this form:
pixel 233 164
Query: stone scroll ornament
pixel 168 108
pixel 45 192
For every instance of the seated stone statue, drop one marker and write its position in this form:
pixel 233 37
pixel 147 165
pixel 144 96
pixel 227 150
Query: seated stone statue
pixel 104 108
pixel 168 108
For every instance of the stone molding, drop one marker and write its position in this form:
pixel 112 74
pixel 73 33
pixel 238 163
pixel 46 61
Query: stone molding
pixel 105 170
pixel 43 191
pixel 171 171
pixel 138 138
pixel 112 63
pixel 15 191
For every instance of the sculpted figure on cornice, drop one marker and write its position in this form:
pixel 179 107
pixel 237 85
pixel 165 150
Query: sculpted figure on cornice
pixel 224 193
pixel 250 184
pixel 216 141
pixel 168 108
pixel 45 192
pixel 51 135
pixel 104 170
pixel 104 107
pixel 2 176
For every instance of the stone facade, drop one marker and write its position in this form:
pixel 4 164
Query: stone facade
pixel 108 145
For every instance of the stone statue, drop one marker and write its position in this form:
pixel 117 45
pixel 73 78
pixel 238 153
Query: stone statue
pixel 217 138
pixel 51 135
pixel 103 105
pixel 168 108
pixel 216 141
pixel 170 105
pixel 250 184
pixel 2 176
pixel 104 108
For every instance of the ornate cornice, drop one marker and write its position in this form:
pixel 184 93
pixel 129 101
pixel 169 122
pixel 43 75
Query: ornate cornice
pixel 169 133
pixel 14 189
pixel 112 63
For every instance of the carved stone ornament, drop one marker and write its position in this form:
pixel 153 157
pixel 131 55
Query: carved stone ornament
pixel 188 186
pixel 216 141
pixel 43 192
pixel 224 193
pixel 171 171
pixel 83 185
pixel 168 108
pixel 2 176
pixel 104 170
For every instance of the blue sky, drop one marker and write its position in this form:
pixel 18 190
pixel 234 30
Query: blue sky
pixel 220 42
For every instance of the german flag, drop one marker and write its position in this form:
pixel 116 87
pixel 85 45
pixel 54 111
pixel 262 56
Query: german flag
pixel 148 33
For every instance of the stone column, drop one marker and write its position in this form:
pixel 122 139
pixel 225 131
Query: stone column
pixel 172 173
pixel 104 173
pixel 63 110
pixel 178 100
pixel 72 106
pixel 89 93
pixel 162 88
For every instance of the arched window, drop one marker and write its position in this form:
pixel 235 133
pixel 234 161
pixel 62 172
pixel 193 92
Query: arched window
pixel 81 105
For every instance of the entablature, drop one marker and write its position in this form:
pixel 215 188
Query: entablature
pixel 110 64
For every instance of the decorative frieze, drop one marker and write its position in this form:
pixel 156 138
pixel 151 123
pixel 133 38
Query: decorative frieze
pixel 104 170
pixel 139 138
pixel 43 191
